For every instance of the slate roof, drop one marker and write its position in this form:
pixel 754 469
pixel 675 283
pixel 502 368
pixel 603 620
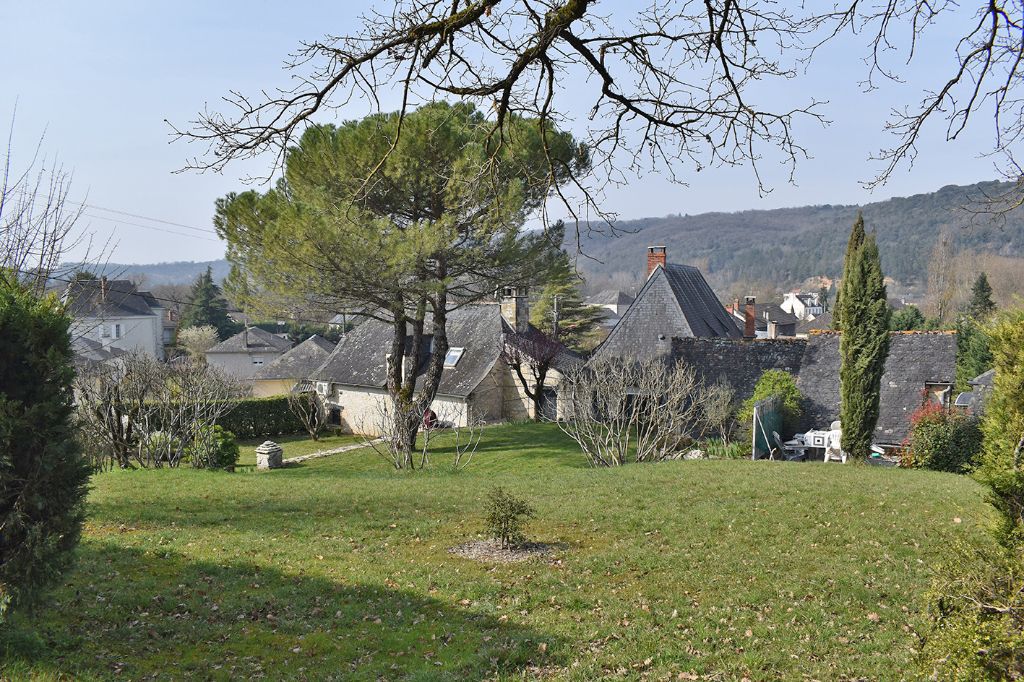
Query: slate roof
pixel 108 298
pixel 676 302
pixel 299 362
pixel 822 322
pixel 765 312
pixel 89 352
pixel 611 297
pixel 915 359
pixel 252 340
pixel 984 379
pixel 359 358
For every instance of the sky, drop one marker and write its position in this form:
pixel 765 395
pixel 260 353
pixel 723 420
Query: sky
pixel 99 82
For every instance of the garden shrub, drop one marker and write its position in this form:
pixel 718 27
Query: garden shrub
pixel 943 441
pixel 161 447
pixel 506 516
pixel 43 475
pixel 214 448
pixel 973 627
pixel 774 382
pixel 262 417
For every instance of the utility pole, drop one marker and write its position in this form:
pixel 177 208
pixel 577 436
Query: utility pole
pixel 554 314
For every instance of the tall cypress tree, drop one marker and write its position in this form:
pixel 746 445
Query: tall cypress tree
pixel 207 307
pixel 853 245
pixel 864 344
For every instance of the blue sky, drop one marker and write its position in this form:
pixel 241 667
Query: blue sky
pixel 100 79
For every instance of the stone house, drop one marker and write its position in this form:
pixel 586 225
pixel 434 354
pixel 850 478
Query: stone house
pixel 476 383
pixel 114 314
pixel 247 352
pixel 280 376
pixel 674 302
pixel 921 367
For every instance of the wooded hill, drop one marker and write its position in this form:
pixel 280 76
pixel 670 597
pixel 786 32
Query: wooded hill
pixel 786 246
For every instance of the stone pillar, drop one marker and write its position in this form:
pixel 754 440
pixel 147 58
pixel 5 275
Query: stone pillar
pixel 269 456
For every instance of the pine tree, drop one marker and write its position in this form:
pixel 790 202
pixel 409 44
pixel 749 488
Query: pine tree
pixel 864 344
pixel 853 245
pixel 981 304
pixel 43 475
pixel 577 321
pixel 207 308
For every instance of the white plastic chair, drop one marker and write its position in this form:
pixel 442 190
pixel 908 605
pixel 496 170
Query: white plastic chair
pixel 833 449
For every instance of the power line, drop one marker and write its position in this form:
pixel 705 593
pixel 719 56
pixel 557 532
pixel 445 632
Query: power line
pixel 144 217
pixel 120 221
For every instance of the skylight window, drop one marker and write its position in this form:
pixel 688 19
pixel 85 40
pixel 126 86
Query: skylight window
pixel 453 356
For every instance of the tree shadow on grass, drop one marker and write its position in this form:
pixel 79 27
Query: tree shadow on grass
pixel 132 613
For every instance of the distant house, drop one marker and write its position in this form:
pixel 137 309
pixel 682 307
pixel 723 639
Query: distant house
pixel 116 315
pixel 247 352
pixel 921 367
pixel 804 306
pixel 613 302
pixel 820 323
pixel 281 375
pixel 675 302
pixel 476 384
pixel 981 388
pixel 770 320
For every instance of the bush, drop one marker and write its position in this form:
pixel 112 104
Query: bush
pixel 214 448
pixel 43 475
pixel 974 625
pixel 506 515
pixel 774 382
pixel 943 441
pixel 1002 460
pixel 262 417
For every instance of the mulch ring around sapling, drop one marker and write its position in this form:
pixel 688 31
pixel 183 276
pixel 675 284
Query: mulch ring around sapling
pixel 492 551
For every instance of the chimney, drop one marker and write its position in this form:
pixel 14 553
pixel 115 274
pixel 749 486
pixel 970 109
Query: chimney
pixel 245 337
pixel 749 318
pixel 655 257
pixel 773 329
pixel 515 308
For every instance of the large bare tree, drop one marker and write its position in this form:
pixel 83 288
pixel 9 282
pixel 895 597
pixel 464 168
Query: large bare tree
pixel 674 81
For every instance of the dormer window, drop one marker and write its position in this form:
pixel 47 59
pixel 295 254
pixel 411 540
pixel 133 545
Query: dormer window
pixel 452 357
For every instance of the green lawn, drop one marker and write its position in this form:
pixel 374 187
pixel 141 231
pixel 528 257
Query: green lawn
pixel 339 569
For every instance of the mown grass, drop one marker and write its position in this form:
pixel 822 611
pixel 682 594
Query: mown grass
pixel 339 569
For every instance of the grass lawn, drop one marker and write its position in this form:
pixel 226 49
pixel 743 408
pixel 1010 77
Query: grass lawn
pixel 339 569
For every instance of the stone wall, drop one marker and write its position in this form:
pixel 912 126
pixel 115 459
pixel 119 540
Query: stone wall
pixel 738 362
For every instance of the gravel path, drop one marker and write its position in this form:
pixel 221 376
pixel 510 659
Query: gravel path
pixel 324 453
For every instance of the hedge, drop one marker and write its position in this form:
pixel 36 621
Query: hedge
pixel 261 417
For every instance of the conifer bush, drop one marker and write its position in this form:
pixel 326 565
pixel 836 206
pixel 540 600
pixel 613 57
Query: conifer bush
pixel 43 475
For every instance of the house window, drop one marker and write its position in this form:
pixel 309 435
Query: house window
pixel 321 387
pixel 453 357
pixel 117 331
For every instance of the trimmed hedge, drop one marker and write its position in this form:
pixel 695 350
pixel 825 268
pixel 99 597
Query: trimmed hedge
pixel 261 417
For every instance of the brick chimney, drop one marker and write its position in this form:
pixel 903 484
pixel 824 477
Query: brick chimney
pixel 655 256
pixel 515 307
pixel 750 317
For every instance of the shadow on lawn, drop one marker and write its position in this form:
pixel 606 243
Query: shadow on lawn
pixel 134 613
